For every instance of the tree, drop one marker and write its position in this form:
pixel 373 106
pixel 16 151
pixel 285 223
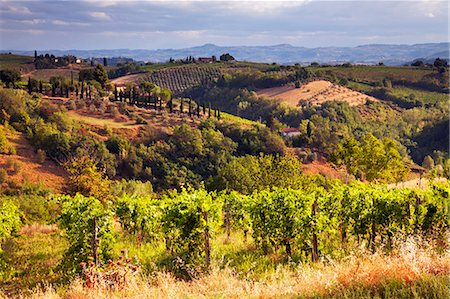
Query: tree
pixel 100 75
pixel 85 178
pixel 10 77
pixel 439 63
pixel 377 160
pixel 105 61
pixel 226 57
pixel 418 63
pixel 428 163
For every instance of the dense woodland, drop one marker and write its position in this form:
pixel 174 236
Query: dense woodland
pixel 175 199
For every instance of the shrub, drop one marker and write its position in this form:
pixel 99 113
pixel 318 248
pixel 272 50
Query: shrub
pixel 3 176
pixel 41 155
pixel 140 121
pixel 5 146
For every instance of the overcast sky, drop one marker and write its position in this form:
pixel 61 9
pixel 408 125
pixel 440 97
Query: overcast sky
pixel 91 24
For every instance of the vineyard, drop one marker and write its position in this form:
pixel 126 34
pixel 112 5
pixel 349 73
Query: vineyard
pixel 182 78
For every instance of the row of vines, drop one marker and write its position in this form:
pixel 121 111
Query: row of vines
pixel 182 78
pixel 300 224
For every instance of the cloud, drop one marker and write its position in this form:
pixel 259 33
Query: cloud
pixel 100 16
pixel 14 8
pixel 178 24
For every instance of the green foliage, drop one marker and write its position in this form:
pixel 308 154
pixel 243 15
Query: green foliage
pixel 10 221
pixel 9 77
pixel 279 217
pixel 131 188
pixel 236 209
pixel 140 216
pixel 189 219
pixel 5 146
pixel 85 178
pixel 100 75
pixel 78 215
pixel 371 159
pixel 249 173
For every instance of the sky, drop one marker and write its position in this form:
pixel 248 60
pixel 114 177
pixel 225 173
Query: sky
pixel 92 24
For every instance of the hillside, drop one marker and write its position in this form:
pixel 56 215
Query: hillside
pixel 27 167
pixel 316 93
pixel 283 53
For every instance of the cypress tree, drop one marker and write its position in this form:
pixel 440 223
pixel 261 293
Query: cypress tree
pixel 171 105
pixel 115 93
pixel 30 88
pixel 181 107
pixel 82 89
pixel 61 89
pixel 309 129
pixel 198 110
pixel 71 78
pixel 160 103
pixel 67 91
pixel 105 62
pixel 76 90
pixel 218 114
pixel 35 55
pixel 40 87
pixel 53 90
pixel 204 108
pixel 190 107
pixel 209 110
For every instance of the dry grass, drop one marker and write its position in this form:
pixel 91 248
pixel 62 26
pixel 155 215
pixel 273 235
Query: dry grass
pixel 402 270
pixel 316 92
pixel 37 228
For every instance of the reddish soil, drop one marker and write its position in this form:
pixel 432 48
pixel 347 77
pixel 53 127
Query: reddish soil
pixel 48 173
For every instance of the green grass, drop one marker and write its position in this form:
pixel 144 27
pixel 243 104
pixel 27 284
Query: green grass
pixel 376 73
pixel 31 259
pixel 238 120
pixel 13 61
pixel 361 87
pixel 423 96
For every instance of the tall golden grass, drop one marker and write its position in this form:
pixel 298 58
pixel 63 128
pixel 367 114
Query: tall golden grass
pixel 359 274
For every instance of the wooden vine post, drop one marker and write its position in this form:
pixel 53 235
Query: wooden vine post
pixel 207 243
pixel 95 241
pixel 315 249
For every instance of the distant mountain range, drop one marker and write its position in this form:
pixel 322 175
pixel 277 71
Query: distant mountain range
pixel 284 53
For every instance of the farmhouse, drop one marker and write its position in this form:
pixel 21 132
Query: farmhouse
pixel 205 60
pixel 290 132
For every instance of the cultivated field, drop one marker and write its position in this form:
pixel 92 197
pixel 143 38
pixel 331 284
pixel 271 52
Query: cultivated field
pixel 316 92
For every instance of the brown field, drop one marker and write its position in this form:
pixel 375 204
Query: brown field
pixel 48 173
pixel 46 74
pixel 316 92
pixel 121 81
